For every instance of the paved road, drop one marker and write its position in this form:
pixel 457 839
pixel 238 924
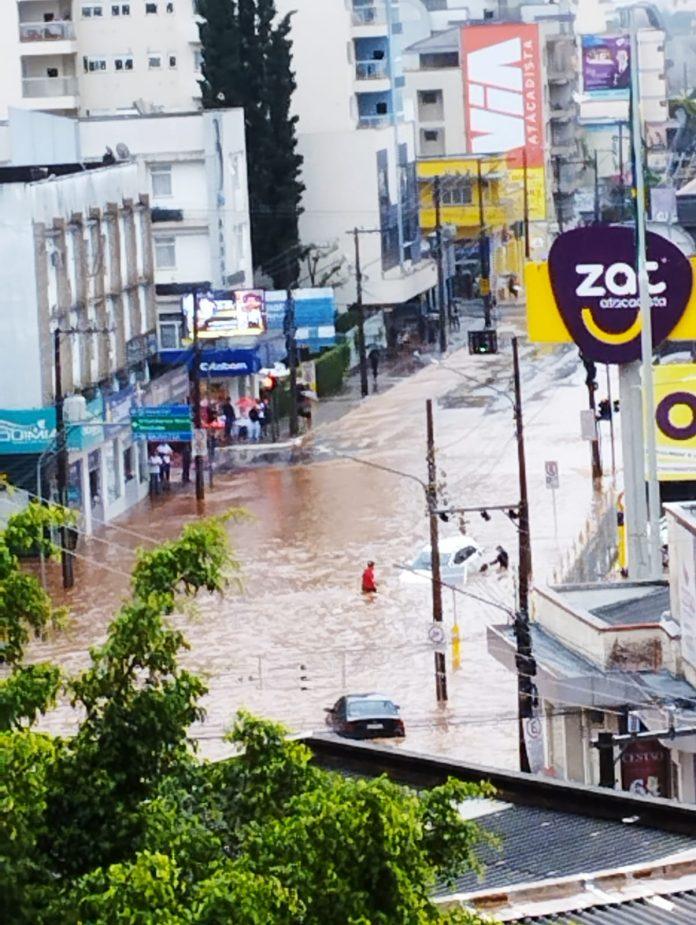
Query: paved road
pixel 301 632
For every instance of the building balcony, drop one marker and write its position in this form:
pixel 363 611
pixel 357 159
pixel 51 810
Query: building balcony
pixel 377 69
pixel 51 92
pixel 46 31
pixel 368 14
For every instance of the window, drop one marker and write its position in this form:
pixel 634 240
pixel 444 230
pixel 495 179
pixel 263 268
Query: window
pixel 165 253
pixel 120 9
pixel 429 97
pixel 457 193
pixel 154 62
pixel 123 63
pixel 169 335
pixel 169 7
pixel 197 59
pixel 171 59
pixel 89 12
pixel 93 64
pixel 430 134
pixel 161 175
pixel 150 8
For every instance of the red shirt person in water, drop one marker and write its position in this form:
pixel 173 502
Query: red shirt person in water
pixel 369 585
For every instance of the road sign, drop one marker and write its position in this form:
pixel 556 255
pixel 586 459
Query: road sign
pixel 162 422
pixel 551 470
pixel 437 635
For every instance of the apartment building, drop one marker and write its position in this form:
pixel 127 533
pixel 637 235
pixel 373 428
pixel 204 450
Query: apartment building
pixel 78 258
pixel 358 142
pixel 81 57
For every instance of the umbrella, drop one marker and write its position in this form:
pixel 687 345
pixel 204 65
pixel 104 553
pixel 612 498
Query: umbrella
pixel 244 403
pixel 308 393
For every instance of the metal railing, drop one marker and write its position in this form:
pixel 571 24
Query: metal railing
pixel 371 70
pixel 33 87
pixel 46 31
pixel 368 15
pixel 375 121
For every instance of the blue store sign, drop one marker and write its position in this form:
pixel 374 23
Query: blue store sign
pixel 219 363
pixel 33 430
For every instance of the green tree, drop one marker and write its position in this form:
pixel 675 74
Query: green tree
pixel 247 62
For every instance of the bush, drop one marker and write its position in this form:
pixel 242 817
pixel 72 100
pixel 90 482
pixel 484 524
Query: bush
pixel 346 320
pixel 331 368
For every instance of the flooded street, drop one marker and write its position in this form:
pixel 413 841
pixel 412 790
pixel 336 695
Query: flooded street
pixel 300 633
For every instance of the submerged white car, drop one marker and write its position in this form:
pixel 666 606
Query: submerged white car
pixel 460 558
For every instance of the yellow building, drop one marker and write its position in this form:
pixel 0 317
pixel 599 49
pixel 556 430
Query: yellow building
pixel 461 208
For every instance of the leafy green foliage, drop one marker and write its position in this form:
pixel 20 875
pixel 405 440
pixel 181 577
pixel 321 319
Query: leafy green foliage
pixel 122 824
pixel 247 62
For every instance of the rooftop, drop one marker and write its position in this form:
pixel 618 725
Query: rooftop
pixel 620 604
pixel 658 909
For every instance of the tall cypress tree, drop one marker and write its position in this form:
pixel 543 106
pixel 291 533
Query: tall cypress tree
pixel 247 62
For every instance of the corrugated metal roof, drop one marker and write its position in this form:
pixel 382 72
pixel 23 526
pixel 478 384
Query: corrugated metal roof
pixel 539 844
pixel 671 909
pixel 647 608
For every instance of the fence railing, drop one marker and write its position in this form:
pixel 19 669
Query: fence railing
pixel 33 87
pixel 45 31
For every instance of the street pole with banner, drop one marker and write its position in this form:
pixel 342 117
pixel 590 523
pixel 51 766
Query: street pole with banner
pixel 645 438
pixel 440 664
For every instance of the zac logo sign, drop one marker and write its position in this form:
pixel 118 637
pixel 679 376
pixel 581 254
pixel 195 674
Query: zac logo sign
pixel 595 289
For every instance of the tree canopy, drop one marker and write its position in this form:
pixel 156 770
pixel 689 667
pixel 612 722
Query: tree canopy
pixel 247 62
pixel 123 824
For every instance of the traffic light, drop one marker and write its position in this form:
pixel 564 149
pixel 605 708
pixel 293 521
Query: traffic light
pixel 485 341
pixel 269 383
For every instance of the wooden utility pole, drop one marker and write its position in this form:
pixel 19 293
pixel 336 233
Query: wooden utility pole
pixel 361 315
pixel 525 205
pixel 440 664
pixel 196 390
pixel 526 666
pixel 66 558
pixel 437 198
pixel 291 350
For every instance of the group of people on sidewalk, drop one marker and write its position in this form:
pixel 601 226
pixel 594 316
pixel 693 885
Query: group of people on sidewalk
pixel 159 464
pixel 250 422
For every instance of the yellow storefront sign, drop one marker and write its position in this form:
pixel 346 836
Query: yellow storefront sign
pixel 675 420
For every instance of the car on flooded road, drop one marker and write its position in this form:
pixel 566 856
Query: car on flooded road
pixel 365 716
pixel 461 557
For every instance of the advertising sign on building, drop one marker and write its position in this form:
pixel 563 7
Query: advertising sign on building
pixel 503 101
pixel 675 420
pixel 239 313
pixel 33 430
pixel 645 768
pixel 606 66
pixel 587 293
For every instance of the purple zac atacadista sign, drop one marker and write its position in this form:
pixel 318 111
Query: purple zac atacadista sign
pixel 593 287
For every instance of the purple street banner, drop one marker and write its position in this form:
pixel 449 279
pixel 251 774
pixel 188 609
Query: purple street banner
pixel 594 284
pixel 606 66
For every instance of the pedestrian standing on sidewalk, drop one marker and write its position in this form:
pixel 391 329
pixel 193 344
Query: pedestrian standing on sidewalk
pixel 262 408
pixel 186 461
pixel 165 453
pixel 374 363
pixel 228 411
pixel 254 423
pixel 154 464
pixel 369 585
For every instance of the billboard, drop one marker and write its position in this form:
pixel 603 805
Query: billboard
pixel 675 420
pixel 503 100
pixel 587 293
pixel 606 66
pixel 223 313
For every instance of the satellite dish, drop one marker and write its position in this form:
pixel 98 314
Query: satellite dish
pixel 122 151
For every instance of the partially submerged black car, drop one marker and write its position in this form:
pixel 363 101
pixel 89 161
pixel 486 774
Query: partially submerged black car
pixel 365 716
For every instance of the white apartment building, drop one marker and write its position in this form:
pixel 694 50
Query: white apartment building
pixel 77 249
pixel 81 57
pixel 358 142
pixel 193 168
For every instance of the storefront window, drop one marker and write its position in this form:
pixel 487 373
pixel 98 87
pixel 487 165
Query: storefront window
pixel 113 474
pixel 94 477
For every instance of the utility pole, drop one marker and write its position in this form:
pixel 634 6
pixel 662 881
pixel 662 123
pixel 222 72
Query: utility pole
pixel 66 558
pixel 591 383
pixel 611 425
pixel 557 176
pixel 440 664
pixel 437 193
pixel 526 665
pixel 361 315
pixel 291 350
pixel 646 440
pixel 597 215
pixel 622 189
pixel 196 389
pixel 484 256
pixel 525 205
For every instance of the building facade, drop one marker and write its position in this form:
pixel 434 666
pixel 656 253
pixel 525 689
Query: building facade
pixel 358 145
pixel 84 57
pixel 79 258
